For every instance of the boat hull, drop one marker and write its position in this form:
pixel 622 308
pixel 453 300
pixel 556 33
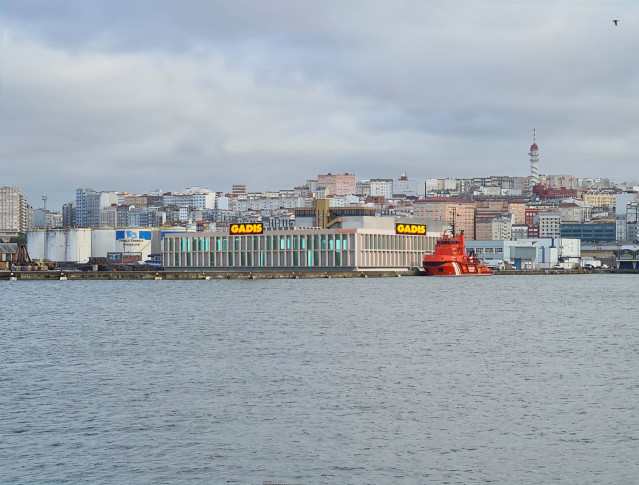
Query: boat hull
pixel 454 268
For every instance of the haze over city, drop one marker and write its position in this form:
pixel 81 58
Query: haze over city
pixel 163 94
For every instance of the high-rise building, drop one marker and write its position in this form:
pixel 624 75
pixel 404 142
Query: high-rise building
pixel 14 214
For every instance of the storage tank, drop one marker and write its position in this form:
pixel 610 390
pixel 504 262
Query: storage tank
pixel 57 244
pixel 102 242
pixel 78 248
pixel 35 244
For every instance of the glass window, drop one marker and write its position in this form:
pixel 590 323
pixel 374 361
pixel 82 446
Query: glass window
pixel 323 241
pixel 255 243
pixel 288 242
pixel 331 242
pixel 309 258
pixel 296 242
pixel 268 242
pixel 170 244
pixel 224 241
pixel 282 242
pixel 237 243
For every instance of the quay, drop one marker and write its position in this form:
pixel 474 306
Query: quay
pixel 66 275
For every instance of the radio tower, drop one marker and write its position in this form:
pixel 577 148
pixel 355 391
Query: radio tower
pixel 534 164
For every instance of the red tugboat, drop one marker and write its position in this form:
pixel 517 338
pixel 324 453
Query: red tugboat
pixel 450 259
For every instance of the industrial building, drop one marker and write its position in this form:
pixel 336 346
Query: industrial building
pixel 254 248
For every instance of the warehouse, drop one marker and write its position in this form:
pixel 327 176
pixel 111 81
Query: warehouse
pixel 298 248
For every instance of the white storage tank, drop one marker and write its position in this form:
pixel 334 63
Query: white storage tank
pixel 102 242
pixel 35 244
pixel 78 245
pixel 57 244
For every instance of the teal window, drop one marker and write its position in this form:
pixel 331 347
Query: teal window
pixel 296 242
pixel 338 259
pixel 282 243
pixel 177 260
pixel 338 243
pixel 316 258
pixel 323 241
pixel 212 259
pixel 302 242
pixel 256 241
pixel 237 243
pixel 170 244
pixel 230 259
pixel 224 244
pixel 268 242
pixel 207 242
pixel 344 241
pixel 309 258
pixel 261 258
pixel 316 241
pixel 243 259
pixel 296 258
pixel 188 259
pixel 288 242
pixel 331 244
pixel 249 259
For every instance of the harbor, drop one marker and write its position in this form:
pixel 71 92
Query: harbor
pixel 65 275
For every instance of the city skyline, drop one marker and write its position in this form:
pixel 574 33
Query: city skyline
pixel 111 94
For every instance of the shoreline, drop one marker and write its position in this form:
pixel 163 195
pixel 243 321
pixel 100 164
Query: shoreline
pixel 7 275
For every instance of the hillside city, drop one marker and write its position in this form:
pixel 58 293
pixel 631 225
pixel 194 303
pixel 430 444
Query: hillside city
pixel 593 210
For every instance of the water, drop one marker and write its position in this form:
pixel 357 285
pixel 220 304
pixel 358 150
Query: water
pixel 329 381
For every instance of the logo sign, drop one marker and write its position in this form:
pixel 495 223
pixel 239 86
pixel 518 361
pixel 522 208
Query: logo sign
pixel 410 228
pixel 131 235
pixel 246 228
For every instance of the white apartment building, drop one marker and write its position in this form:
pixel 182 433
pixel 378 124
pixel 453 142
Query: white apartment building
pixel 381 188
pixel 549 224
pixel 14 214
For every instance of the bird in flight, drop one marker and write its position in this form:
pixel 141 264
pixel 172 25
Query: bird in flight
pixel 615 21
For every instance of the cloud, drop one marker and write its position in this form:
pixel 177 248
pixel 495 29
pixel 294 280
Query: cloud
pixel 137 95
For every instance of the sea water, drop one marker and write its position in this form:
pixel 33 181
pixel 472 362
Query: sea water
pixel 508 379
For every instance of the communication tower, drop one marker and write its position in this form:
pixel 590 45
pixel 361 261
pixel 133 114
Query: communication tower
pixel 534 163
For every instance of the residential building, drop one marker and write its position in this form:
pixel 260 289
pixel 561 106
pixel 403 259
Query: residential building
pixel 337 184
pixel 461 212
pixel 14 213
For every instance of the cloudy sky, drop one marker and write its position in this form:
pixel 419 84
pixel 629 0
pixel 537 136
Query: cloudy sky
pixel 147 94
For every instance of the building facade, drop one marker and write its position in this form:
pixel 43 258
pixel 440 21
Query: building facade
pixel 14 214
pixel 296 249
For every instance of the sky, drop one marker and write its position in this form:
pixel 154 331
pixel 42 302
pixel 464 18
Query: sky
pixel 166 94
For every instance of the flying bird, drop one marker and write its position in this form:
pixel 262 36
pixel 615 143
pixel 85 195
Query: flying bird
pixel 615 21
